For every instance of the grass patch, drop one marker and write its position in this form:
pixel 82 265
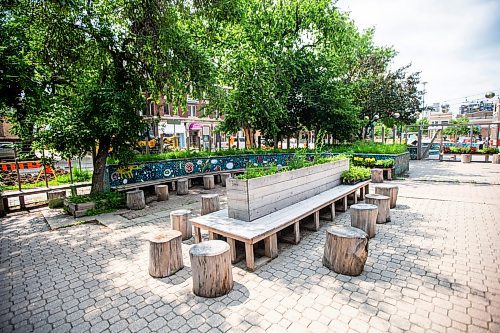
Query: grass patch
pixel 78 177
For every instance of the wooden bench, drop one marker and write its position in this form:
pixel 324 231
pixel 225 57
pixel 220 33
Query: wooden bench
pixel 24 193
pixel 267 227
pixel 133 186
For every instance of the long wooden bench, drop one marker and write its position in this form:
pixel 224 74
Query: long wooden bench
pixel 24 193
pixel 133 186
pixel 267 227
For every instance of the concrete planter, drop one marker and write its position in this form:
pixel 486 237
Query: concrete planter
pixel 80 209
pixel 249 199
pixel 401 161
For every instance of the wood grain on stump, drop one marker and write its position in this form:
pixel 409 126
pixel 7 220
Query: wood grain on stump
pixel 165 253
pixel 161 192
pixel 209 203
pixel 466 158
pixel 383 204
pixel 211 268
pixel 208 182
pixel 136 200
pixel 180 222
pixel 182 186
pixel 364 217
pixel 377 175
pixel 496 159
pixel 224 178
pixel 390 191
pixel 346 250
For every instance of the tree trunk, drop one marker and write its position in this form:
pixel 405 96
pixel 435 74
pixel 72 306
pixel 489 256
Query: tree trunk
pixel 100 166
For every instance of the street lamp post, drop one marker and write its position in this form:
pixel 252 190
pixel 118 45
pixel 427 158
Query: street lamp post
pixel 394 128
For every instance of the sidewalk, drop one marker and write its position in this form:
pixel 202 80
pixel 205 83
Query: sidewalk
pixel 434 268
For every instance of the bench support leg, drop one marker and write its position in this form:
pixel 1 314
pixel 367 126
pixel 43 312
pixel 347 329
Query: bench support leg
pixel 6 204
pixel 197 235
pixel 249 256
pixel 271 246
pixel 343 204
pixel 316 220
pixel 296 232
pixel 21 202
pixel 367 189
pixel 355 197
pixel 332 211
pixel 212 235
pixel 362 193
pixel 232 246
pixel 389 174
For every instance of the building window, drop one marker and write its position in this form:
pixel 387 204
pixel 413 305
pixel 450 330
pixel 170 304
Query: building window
pixel 167 110
pixel 192 110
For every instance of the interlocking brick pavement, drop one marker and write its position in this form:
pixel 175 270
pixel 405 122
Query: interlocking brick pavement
pixel 434 268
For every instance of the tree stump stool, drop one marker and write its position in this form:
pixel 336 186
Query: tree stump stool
pixel 390 191
pixel 208 182
pixel 136 200
pixel 180 222
pixel 364 217
pixel 182 186
pixel 161 192
pixel 56 198
pixel 211 268
pixel 466 158
pixel 165 253
pixel 496 159
pixel 209 203
pixel 377 176
pixel 383 204
pixel 346 250
pixel 224 178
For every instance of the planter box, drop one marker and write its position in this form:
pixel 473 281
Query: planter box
pixel 401 161
pixel 249 199
pixel 80 209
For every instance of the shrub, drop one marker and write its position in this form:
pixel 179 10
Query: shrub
pixel 355 173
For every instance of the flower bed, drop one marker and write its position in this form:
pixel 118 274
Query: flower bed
pixel 401 161
pixel 355 174
pixel 249 199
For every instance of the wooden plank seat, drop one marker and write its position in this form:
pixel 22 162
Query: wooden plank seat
pixel 267 227
pixel 24 193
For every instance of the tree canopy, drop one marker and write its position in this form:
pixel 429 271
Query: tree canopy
pixel 76 74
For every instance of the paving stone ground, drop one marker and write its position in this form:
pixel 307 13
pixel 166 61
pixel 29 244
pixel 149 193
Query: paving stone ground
pixel 434 268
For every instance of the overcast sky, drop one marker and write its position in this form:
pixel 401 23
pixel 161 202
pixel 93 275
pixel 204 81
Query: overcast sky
pixel 454 43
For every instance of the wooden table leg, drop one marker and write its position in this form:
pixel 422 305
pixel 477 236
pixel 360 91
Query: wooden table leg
pixel 232 246
pixel 197 235
pixel 332 211
pixel 271 246
pixel 316 220
pixel 249 256
pixel 296 232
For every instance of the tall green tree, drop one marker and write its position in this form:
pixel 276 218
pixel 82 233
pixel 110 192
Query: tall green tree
pixel 84 69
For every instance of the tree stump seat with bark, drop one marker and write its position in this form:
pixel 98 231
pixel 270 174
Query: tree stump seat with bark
pixel 209 203
pixel 377 175
pixel 346 250
pixel 224 177
pixel 364 217
pixel 161 192
pixel 383 204
pixel 182 186
pixel 165 253
pixel 208 182
pixel 211 268
pixel 496 159
pixel 180 222
pixel 389 190
pixel 466 158
pixel 136 200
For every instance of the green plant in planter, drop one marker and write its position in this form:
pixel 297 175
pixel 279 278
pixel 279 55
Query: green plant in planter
pixel 355 174
pixel 489 150
pixel 388 163
pixel 104 202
